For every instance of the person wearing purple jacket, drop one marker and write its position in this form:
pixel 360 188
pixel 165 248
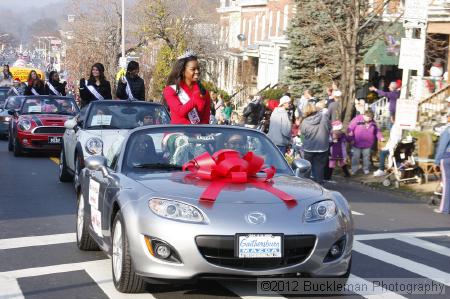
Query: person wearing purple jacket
pixel 363 131
pixel 392 95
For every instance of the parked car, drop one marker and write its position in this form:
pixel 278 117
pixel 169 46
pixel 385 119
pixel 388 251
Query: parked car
pixel 160 224
pixel 39 123
pixel 101 126
pixel 11 103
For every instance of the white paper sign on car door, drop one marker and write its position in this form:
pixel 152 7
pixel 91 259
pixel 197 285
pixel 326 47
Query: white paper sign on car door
pixel 101 120
pixel 96 220
pixel 94 191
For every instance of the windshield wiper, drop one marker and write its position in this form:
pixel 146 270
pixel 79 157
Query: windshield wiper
pixel 163 166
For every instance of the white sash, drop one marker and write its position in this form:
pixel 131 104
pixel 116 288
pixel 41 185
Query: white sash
pixel 53 89
pixel 184 98
pixel 128 90
pixel 15 90
pixel 33 91
pixel 94 91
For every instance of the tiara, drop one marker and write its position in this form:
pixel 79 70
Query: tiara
pixel 188 53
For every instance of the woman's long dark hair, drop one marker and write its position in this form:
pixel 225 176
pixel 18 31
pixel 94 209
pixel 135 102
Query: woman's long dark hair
pixel 101 70
pixel 9 75
pixel 50 76
pixel 177 73
pixel 29 75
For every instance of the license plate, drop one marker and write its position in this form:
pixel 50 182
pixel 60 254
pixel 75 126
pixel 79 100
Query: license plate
pixel 259 246
pixel 54 140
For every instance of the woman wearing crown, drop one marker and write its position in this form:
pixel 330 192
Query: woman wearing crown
pixel 187 99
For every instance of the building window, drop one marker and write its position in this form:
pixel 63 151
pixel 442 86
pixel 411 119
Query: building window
pixel 263 28
pixel 285 17
pixel 277 27
pixel 249 32
pixel 270 23
pixel 256 27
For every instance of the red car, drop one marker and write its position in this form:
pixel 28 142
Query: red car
pixel 39 124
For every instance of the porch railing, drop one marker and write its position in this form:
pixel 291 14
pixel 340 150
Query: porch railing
pixel 434 109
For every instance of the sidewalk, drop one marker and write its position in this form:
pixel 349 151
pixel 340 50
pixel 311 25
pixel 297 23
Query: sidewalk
pixel 422 192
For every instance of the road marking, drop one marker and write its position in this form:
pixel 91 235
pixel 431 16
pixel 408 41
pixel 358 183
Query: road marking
pixel 36 241
pixel 398 235
pixel 55 159
pixel 426 245
pixel 398 261
pixel 101 273
pixel 357 213
pixel 382 293
pixel 10 289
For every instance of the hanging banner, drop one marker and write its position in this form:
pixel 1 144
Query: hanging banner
pixel 412 54
pixel 406 113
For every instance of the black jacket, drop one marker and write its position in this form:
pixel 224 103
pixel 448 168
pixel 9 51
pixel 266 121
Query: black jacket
pixel 60 87
pixel 86 96
pixel 137 88
pixel 253 113
pixel 40 90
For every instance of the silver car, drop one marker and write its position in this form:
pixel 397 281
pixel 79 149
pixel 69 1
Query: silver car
pixel 100 128
pixel 159 223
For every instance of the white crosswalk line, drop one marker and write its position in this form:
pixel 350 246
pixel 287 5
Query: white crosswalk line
pixel 101 273
pixel 397 235
pixel 9 288
pixel 398 261
pixel 36 241
pixel 382 294
pixel 426 245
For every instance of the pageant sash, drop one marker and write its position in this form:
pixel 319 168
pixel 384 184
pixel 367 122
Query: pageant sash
pixel 53 89
pixel 194 118
pixel 94 91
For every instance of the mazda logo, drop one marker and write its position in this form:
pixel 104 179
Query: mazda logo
pixel 256 218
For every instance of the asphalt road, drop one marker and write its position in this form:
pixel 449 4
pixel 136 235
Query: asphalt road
pixel 396 238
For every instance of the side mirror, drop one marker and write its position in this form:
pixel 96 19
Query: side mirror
pixel 12 112
pixel 302 168
pixel 70 124
pixel 97 163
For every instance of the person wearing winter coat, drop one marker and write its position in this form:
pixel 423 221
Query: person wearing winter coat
pixel 131 86
pixel 315 130
pixel 280 125
pixel 338 149
pixel 188 101
pixel 253 112
pixel 35 85
pixel 442 159
pixel 364 132
pixel 53 86
pixel 392 95
pixel 96 87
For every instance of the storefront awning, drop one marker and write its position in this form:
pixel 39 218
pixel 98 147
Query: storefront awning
pixel 386 50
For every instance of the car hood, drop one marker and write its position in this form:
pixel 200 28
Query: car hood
pixel 47 119
pixel 177 186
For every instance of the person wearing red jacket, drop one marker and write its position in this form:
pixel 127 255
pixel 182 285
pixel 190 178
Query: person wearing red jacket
pixel 188 101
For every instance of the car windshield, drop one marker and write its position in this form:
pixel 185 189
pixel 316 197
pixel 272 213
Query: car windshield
pixel 125 115
pixel 167 149
pixel 3 94
pixel 14 103
pixel 64 106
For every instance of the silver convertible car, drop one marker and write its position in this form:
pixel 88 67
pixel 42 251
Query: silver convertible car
pixel 194 202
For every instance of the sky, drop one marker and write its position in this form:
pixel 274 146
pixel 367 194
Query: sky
pixel 15 4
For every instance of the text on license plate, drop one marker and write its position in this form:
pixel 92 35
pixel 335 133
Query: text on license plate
pixel 259 246
pixel 54 140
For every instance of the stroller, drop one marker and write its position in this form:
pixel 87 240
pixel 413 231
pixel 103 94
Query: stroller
pixel 405 169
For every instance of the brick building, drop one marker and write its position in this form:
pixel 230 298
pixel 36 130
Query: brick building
pixel 253 36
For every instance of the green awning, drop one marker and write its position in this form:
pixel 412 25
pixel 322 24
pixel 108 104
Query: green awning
pixel 386 49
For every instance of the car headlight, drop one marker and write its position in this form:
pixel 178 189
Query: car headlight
pixel 176 210
pixel 7 118
pixel 321 210
pixel 25 125
pixel 94 146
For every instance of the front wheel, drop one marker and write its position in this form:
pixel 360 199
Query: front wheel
pixel 17 148
pixel 124 277
pixel 84 240
pixel 64 175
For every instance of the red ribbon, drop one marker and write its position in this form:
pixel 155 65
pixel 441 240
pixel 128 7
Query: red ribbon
pixel 227 167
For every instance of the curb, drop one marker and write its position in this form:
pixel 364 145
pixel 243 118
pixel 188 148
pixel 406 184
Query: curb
pixel 424 197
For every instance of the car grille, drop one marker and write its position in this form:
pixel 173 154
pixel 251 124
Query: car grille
pixel 49 130
pixel 220 251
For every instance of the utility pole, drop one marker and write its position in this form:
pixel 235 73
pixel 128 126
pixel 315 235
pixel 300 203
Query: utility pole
pixel 123 60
